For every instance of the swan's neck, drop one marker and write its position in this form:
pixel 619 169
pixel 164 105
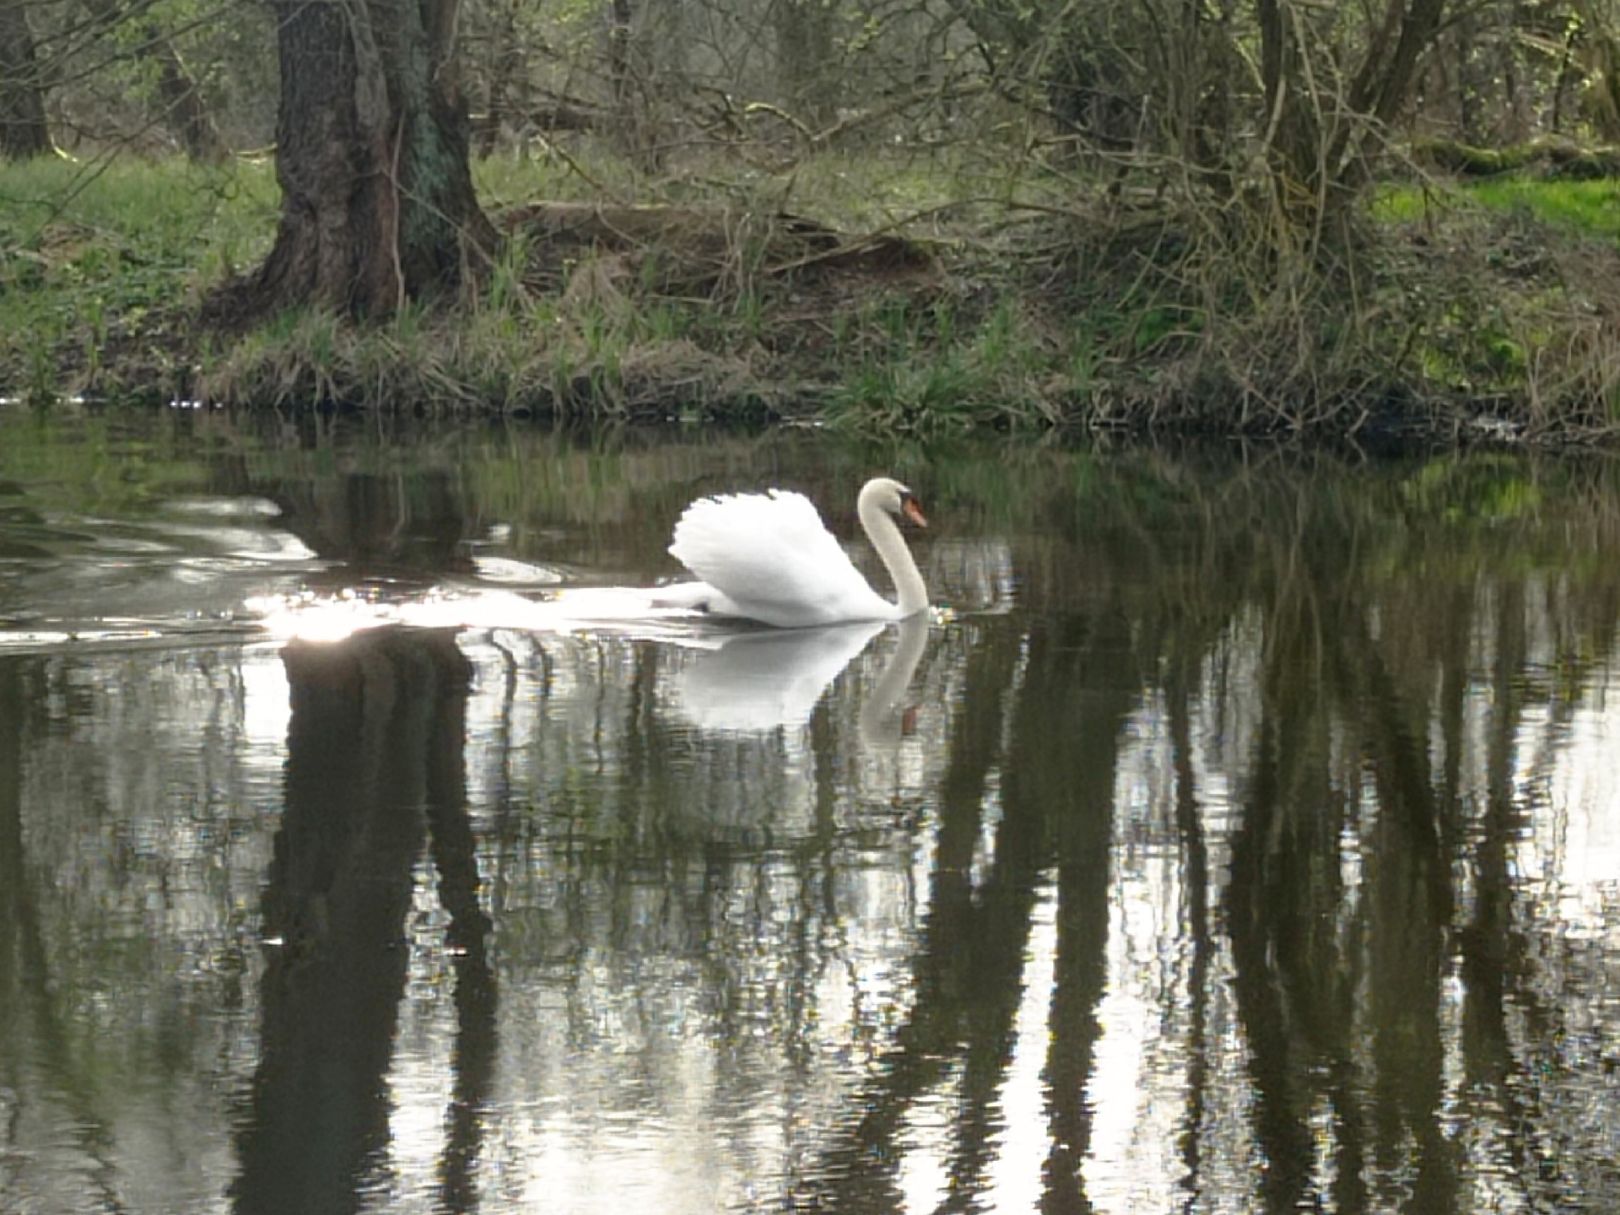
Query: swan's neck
pixel 891 547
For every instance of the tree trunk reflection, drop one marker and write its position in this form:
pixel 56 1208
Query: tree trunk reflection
pixel 358 811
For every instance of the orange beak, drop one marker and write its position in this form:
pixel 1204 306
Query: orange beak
pixel 913 511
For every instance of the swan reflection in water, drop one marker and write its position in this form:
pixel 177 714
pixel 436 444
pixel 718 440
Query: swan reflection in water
pixel 763 680
pixel 740 679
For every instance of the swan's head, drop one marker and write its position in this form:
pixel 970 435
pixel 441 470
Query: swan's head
pixel 886 494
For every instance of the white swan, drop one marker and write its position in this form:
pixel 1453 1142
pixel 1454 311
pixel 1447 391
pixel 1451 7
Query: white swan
pixel 768 557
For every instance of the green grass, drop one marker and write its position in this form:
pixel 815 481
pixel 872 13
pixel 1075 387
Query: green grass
pixel 96 254
pixel 934 371
pixel 867 192
pixel 1587 208
pixel 164 207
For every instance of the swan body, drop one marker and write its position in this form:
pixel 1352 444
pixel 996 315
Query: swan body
pixel 768 557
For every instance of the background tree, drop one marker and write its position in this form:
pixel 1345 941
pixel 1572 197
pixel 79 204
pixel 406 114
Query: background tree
pixel 22 100
pixel 174 95
pixel 1316 90
pixel 180 97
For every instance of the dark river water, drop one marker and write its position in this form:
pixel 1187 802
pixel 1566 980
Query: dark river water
pixel 1240 832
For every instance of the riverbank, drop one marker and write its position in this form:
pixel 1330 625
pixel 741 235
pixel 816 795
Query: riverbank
pixel 872 296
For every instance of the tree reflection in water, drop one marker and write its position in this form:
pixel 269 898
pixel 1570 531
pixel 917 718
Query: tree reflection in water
pixel 374 763
pixel 1244 841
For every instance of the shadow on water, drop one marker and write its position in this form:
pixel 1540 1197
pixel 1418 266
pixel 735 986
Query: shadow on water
pixel 1244 839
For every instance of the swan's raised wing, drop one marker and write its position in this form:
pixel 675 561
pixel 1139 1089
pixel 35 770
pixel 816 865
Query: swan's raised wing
pixel 774 559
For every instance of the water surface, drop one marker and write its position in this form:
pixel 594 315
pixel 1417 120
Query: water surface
pixel 1242 833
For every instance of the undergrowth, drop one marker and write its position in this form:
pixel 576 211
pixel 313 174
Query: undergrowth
pixel 1492 309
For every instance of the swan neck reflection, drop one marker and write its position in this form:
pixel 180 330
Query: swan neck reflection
pixel 880 724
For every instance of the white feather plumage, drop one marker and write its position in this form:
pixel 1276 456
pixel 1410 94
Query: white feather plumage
pixel 769 557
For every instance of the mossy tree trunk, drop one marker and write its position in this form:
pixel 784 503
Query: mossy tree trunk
pixel 23 132
pixel 371 154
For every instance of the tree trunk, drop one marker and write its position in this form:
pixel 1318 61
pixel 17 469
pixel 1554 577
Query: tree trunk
pixel 1321 146
pixel 628 74
pixel 22 101
pixel 1602 72
pixel 805 53
pixel 371 155
pixel 505 66
pixel 183 110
